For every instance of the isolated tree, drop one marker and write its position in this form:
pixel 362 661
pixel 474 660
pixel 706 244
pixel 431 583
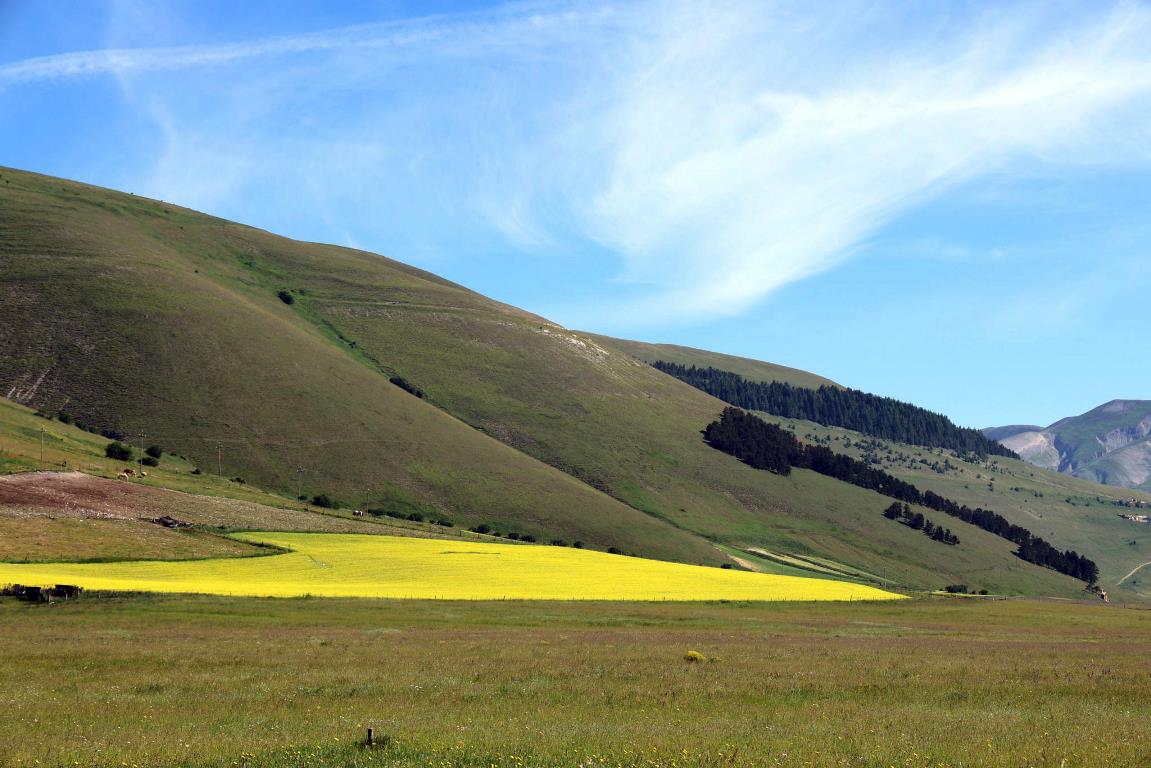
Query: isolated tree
pixel 118 451
pixel 154 451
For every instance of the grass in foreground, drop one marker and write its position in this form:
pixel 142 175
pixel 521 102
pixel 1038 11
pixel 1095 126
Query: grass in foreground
pixel 221 682
pixel 348 565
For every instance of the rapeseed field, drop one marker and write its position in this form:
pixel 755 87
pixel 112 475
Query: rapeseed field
pixel 353 565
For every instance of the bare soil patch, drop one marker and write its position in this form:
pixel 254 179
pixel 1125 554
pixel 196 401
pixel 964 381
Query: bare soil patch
pixel 77 495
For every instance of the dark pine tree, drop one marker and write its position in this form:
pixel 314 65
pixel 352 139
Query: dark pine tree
pixel 852 409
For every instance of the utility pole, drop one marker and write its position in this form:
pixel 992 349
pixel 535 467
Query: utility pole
pixel 219 460
pixel 299 475
pixel 41 448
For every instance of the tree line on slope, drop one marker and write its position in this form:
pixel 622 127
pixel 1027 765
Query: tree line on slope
pixel 834 407
pixel 916 521
pixel 769 446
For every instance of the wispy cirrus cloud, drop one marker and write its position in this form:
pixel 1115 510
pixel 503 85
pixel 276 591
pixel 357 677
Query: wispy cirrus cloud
pixel 518 23
pixel 719 151
pixel 748 150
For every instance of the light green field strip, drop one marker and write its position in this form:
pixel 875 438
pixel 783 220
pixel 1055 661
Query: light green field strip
pixel 356 565
pixel 793 561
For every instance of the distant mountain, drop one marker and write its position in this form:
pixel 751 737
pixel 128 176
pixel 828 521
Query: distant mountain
pixel 1110 444
pixel 1002 433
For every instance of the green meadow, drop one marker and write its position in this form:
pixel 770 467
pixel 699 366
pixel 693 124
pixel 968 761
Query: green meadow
pixel 200 681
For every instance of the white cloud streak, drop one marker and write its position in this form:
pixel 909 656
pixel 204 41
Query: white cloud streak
pixel 726 182
pixel 722 151
pixel 523 25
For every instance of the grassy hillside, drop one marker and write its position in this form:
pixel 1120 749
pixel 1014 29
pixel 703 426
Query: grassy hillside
pixel 1077 514
pixel 153 319
pixel 755 370
pixel 66 506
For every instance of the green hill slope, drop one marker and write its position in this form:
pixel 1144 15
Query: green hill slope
pixel 156 321
pixel 150 318
pixel 1080 515
pixel 755 370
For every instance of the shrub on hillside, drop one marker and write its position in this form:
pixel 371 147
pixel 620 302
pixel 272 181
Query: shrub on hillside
pixel 64 418
pixel 286 297
pixel 150 461
pixel 118 451
pixel 407 386
pixel 154 451
pixel 324 501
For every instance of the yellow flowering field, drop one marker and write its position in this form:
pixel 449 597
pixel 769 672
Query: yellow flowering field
pixel 356 565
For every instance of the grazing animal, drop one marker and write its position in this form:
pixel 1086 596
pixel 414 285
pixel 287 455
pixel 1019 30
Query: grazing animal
pixel 35 595
pixel 171 522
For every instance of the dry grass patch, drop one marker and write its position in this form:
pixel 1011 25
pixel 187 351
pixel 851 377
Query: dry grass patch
pixel 31 539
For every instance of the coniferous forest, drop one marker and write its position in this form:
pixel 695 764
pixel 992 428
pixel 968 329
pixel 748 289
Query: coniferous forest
pixel 918 522
pixel 851 409
pixel 771 447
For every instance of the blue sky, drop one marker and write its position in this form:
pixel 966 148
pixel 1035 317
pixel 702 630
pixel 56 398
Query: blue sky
pixel 941 202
